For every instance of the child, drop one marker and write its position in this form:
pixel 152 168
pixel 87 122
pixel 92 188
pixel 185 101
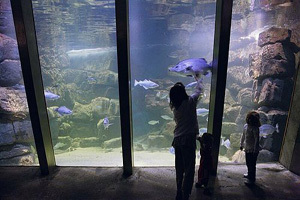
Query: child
pixel 185 133
pixel 206 161
pixel 250 141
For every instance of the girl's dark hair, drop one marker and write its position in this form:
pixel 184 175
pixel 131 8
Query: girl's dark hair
pixel 177 95
pixel 252 119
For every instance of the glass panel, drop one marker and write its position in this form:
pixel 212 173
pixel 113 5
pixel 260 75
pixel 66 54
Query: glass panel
pixel 261 68
pixel 77 48
pixel 17 145
pixel 163 33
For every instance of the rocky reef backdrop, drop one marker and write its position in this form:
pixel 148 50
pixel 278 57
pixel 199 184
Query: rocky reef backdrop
pixel 264 52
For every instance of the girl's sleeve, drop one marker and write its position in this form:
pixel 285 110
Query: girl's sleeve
pixel 243 138
pixel 256 140
pixel 198 91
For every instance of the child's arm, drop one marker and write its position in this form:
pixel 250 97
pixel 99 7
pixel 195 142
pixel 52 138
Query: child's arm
pixel 198 91
pixel 256 140
pixel 243 139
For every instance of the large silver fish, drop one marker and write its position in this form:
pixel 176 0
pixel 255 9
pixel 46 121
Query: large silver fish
pixel 192 67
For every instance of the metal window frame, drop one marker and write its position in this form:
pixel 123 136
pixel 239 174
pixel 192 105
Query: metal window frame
pixel 27 44
pixel 29 57
pixel 219 74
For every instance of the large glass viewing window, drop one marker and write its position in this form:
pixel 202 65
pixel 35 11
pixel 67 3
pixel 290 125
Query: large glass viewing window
pixel 163 33
pixel 77 51
pixel 260 75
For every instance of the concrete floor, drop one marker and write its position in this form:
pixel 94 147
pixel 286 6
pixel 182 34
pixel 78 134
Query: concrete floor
pixel 273 182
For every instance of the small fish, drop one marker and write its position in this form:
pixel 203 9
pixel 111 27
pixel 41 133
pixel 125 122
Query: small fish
pixel 191 85
pixel 226 143
pixel 172 150
pixel 91 80
pixel 202 130
pixel 166 117
pixel 146 84
pixel 153 122
pixel 267 129
pixel 202 112
pixel 194 67
pixel 51 96
pixel 59 145
pixel 63 110
pixel 106 123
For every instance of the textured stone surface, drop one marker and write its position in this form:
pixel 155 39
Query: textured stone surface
pixel 10 73
pixel 245 97
pixel 277 51
pixel 8 48
pixel 17 150
pixel 273 35
pixel 239 76
pixel 6 134
pixel 112 143
pixel 13 103
pixel 262 68
pixel 23 131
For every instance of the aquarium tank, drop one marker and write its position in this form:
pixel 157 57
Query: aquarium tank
pixel 78 58
pixel 17 145
pixel 263 56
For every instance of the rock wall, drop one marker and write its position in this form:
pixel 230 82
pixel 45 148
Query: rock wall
pixel 16 137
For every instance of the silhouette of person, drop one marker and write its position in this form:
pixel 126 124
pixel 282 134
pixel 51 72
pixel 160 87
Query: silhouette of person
pixel 185 135
pixel 205 166
pixel 250 142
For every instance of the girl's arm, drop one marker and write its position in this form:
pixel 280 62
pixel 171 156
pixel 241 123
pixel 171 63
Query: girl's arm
pixel 198 90
pixel 243 139
pixel 256 140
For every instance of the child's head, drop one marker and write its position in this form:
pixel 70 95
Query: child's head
pixel 177 95
pixel 207 139
pixel 252 119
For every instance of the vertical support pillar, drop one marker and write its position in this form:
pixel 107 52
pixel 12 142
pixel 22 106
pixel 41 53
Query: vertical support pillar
pixel 219 74
pixel 28 50
pixel 122 20
pixel 290 150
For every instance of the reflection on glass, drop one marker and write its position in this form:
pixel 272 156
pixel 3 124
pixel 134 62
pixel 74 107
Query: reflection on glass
pixel 260 74
pixel 17 145
pixel 163 33
pixel 77 49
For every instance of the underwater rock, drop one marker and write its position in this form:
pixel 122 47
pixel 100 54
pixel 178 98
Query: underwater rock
pixel 8 48
pixel 266 156
pixel 65 139
pixel 64 128
pixel 89 142
pixel 273 35
pixel 6 134
pixel 260 69
pixel 239 76
pixel 16 150
pixel 102 107
pixel 112 143
pixel 274 91
pixel 295 36
pixel 81 112
pixel 277 51
pixel 231 112
pixel 83 129
pixel 181 21
pixel 60 145
pixel 228 128
pixel 13 104
pixel 240 120
pixel 25 160
pixel 10 73
pixel 245 97
pixel 235 140
pixel 158 141
pixel 23 131
pixel 239 157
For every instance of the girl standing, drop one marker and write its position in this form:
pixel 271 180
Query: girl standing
pixel 250 142
pixel 185 135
